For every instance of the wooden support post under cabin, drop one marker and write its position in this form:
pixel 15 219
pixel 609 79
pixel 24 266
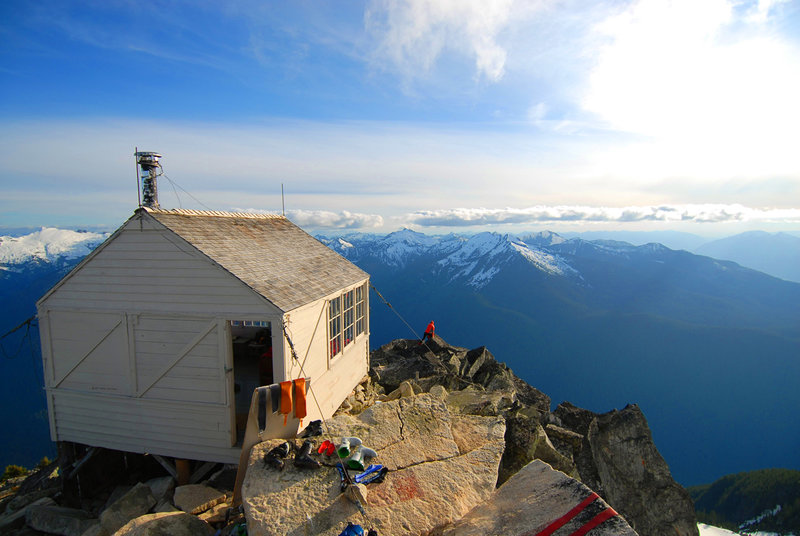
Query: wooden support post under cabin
pixel 70 472
pixel 69 488
pixel 184 468
pixel 201 472
pixel 181 471
pixel 166 465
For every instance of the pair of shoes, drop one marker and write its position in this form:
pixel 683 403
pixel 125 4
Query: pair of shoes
pixel 303 460
pixel 274 458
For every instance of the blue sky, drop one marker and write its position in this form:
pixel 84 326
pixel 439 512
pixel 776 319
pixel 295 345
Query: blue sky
pixel 436 115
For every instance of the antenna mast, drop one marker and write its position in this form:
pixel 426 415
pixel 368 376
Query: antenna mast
pixel 136 165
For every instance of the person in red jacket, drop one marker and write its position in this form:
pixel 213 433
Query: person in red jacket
pixel 428 333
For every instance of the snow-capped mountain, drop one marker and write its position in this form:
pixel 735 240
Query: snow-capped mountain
pixel 48 245
pixel 475 259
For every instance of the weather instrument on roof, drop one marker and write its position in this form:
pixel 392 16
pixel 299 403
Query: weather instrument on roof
pixel 150 169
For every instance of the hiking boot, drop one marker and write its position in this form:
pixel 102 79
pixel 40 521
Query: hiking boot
pixel 274 458
pixel 303 458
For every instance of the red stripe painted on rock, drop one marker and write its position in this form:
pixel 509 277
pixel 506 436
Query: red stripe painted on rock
pixel 563 520
pixel 595 521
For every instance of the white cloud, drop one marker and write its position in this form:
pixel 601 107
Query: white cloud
pixel 334 220
pixel 697 73
pixel 464 217
pixel 324 219
pixel 413 34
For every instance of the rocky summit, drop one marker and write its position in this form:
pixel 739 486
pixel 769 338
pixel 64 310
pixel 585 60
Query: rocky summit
pixel 472 449
pixel 466 447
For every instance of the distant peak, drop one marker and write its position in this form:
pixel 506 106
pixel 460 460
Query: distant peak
pixel 48 244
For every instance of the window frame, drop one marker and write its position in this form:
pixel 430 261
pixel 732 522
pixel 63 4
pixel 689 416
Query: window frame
pixel 347 319
pixel 360 309
pixel 335 327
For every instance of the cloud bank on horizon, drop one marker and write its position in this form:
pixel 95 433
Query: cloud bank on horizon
pixel 384 113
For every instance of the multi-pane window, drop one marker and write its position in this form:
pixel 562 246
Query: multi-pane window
pixel 360 310
pixel 346 318
pixel 347 305
pixel 335 325
pixel 250 323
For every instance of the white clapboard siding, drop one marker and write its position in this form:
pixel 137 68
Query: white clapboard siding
pixel 150 269
pixel 308 329
pixel 196 431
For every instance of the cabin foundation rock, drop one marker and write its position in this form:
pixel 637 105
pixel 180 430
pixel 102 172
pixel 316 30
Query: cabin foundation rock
pixel 136 502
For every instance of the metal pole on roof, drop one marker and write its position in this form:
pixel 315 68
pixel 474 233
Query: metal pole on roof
pixel 283 203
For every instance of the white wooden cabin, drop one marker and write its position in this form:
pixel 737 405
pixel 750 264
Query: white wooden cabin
pixel 155 342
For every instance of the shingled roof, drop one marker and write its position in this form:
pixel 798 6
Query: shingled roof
pixel 269 253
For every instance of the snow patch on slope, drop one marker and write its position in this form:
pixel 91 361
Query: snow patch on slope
pixel 475 258
pixel 48 244
pixel 479 258
pixel 709 530
pixel 547 262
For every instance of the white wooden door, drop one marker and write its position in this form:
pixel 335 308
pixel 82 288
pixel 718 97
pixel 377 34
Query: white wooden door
pixel 89 352
pixel 180 359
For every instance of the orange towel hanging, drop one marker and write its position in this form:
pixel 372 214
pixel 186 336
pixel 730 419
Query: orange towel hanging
pixel 286 400
pixel 300 399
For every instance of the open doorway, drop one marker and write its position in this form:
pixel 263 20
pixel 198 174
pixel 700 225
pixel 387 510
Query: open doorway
pixel 252 364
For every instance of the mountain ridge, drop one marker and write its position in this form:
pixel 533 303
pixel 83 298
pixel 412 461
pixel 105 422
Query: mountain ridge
pixel 664 328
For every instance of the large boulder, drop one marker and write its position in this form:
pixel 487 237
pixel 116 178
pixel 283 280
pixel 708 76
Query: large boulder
pixel 578 420
pixel 441 465
pixel 136 502
pixel 197 498
pixel 537 498
pixel 526 441
pixel 58 520
pixel 166 524
pixel 635 478
pixel 14 519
